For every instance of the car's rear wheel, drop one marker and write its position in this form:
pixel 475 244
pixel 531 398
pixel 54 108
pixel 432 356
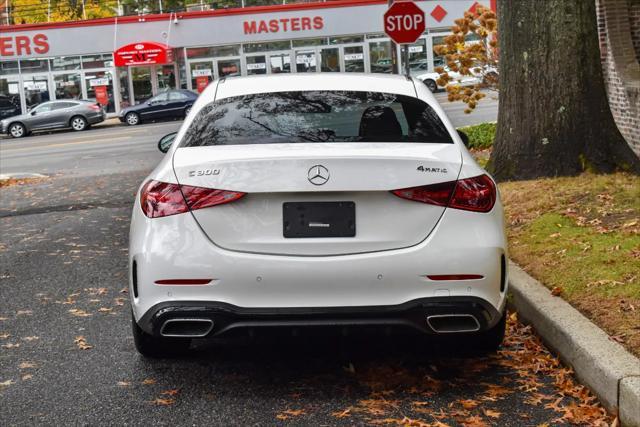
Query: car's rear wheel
pixel 490 340
pixel 78 123
pixel 17 130
pixel 431 84
pixel 157 347
pixel 132 119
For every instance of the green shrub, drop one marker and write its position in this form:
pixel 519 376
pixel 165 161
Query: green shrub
pixel 480 136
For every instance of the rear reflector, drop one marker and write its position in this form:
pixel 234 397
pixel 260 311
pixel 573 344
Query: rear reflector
pixel 159 199
pixel 183 282
pixel 455 276
pixel 476 194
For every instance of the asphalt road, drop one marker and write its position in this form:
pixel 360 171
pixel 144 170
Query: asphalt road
pixel 67 355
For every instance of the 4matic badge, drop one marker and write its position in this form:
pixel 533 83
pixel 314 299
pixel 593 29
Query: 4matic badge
pixel 428 169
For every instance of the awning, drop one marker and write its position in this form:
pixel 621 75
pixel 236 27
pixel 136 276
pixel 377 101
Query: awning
pixel 143 53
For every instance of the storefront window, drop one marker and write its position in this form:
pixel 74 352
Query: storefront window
pixel 141 79
pixel 65 63
pixel 8 67
pixel 256 64
pixel 380 57
pixel 97 61
pixel 309 42
pixel 346 40
pixel 306 61
pixel 418 57
pixel 354 59
pixel 280 63
pixel 228 67
pixel 201 75
pixel 330 60
pixel 213 51
pixel 123 75
pixel 9 96
pixel 100 81
pixel 166 77
pixel 36 90
pixel 68 86
pixel 34 66
pixel 264 47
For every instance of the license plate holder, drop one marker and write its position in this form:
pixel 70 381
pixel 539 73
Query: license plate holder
pixel 318 219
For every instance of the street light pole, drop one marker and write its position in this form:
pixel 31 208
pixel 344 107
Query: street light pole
pixel 394 51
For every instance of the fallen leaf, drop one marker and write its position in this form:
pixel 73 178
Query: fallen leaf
pixel 79 313
pixel 173 392
pixel 31 338
pixel 81 342
pixel 491 413
pixel 163 402
pixel 24 313
pixel 27 365
pixel 342 414
pixel 556 291
pixel 27 377
pixel 105 310
pixel 123 383
pixel 6 383
pixel 468 404
pixel 4 336
pixel 11 345
pixel 149 381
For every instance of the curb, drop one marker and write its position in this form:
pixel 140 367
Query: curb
pixel 603 365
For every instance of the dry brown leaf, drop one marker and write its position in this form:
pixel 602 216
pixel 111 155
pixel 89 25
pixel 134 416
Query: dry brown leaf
pixel 163 402
pixel 172 392
pixel 27 365
pixel 4 336
pixel 26 377
pixel 342 414
pixel 123 383
pixel 79 313
pixel 556 291
pixel 6 383
pixel 81 342
pixel 11 345
pixel 149 381
pixel 31 338
pixel 491 413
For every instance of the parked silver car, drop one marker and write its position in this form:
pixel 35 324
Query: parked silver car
pixel 75 114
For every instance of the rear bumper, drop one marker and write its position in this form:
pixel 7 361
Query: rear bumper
pixel 419 315
pixel 96 118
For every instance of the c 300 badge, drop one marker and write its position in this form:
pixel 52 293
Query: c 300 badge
pixel 204 172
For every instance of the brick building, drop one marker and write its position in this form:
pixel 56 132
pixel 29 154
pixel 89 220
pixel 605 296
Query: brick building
pixel 619 30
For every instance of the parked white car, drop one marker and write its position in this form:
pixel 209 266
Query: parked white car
pixel 430 79
pixel 314 199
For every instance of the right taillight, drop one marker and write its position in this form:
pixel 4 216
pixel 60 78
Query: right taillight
pixel 476 194
pixel 159 199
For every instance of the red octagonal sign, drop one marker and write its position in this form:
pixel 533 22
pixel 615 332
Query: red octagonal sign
pixel 404 22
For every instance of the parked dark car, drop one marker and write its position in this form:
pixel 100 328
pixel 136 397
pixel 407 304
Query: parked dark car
pixel 69 113
pixel 169 104
pixel 8 107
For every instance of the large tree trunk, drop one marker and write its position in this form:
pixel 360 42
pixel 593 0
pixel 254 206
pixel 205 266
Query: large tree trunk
pixel 553 118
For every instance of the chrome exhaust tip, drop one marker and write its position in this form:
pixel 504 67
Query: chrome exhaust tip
pixel 186 328
pixel 453 323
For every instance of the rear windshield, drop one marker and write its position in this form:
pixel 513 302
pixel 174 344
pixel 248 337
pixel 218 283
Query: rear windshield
pixel 315 116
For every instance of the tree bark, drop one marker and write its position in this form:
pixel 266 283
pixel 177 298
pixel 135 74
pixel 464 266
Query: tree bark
pixel 554 117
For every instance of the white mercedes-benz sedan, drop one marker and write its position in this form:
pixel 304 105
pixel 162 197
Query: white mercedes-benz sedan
pixel 307 200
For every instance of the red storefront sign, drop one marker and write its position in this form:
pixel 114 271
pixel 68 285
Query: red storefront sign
pixel 102 97
pixel 144 53
pixel 201 83
pixel 404 22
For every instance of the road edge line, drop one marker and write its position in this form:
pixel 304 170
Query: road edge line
pixel 602 364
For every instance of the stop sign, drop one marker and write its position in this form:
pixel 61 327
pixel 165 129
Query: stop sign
pixel 404 22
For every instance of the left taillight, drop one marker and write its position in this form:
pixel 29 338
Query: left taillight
pixel 96 107
pixel 159 199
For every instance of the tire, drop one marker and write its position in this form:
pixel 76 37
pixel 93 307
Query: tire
pixel 157 347
pixel 132 119
pixel 489 341
pixel 78 123
pixel 431 84
pixel 17 130
pixel 187 111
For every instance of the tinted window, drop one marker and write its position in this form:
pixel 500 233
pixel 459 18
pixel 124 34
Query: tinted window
pixel 42 108
pixel 178 96
pixel 316 116
pixel 163 97
pixel 61 105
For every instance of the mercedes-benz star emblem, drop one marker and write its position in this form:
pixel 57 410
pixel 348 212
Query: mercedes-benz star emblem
pixel 318 175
